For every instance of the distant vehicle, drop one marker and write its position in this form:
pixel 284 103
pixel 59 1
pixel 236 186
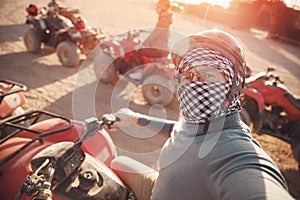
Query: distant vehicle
pixel 176 6
pixel 12 98
pixel 60 28
pixel 119 56
pixel 272 109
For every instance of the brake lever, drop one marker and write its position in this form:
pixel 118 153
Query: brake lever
pixel 93 125
pixel 109 120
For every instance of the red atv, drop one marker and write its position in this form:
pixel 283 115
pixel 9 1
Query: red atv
pixel 119 55
pixel 272 109
pixel 11 98
pixel 58 158
pixel 60 28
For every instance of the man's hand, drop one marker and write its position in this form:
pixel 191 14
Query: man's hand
pixel 126 117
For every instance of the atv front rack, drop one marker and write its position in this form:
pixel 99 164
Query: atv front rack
pixel 12 126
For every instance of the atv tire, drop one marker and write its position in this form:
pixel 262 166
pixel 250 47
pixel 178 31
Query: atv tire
pixel 68 54
pixel 245 117
pixel 296 150
pixel 158 89
pixel 32 41
pixel 296 142
pixel 104 68
pixel 250 105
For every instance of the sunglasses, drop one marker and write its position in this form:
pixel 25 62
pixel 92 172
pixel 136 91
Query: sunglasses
pixel 199 74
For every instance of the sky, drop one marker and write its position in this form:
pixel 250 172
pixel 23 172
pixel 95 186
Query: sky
pixel 225 3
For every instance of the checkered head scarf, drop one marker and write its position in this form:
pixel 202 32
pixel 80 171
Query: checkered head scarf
pixel 202 101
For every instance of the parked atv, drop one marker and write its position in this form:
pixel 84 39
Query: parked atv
pixel 60 28
pixel 119 55
pixel 272 109
pixel 11 98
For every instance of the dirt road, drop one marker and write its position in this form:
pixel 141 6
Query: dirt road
pixel 75 92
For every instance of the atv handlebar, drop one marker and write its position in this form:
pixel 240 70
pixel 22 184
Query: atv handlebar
pixel 62 163
pixel 93 125
pixel 273 78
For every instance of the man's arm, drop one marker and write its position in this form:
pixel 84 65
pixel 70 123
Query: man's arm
pixel 156 124
pixel 127 117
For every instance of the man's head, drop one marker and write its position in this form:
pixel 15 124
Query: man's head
pixel 162 6
pixel 217 40
pixel 209 73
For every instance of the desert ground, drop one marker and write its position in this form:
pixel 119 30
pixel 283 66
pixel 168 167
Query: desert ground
pixel 77 94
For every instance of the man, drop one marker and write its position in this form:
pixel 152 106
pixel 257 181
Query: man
pixel 156 45
pixel 210 154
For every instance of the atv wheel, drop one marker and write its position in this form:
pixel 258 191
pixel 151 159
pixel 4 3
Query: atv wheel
pixel 296 150
pixel 104 68
pixel 68 53
pixel 245 117
pixel 250 105
pixel 158 89
pixel 32 41
pixel 296 142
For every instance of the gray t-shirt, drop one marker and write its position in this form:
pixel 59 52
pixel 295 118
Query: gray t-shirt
pixel 225 163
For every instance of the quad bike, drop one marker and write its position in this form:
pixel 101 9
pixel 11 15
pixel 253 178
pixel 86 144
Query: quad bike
pixel 11 98
pixel 60 28
pixel 58 158
pixel 272 109
pixel 119 56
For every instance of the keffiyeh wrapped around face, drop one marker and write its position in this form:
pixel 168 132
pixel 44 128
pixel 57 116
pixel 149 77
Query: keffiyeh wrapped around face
pixel 202 101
